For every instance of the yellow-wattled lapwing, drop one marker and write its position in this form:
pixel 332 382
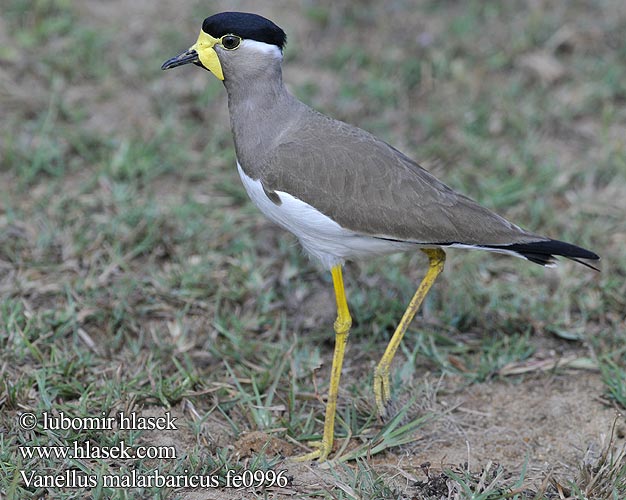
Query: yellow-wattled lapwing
pixel 343 192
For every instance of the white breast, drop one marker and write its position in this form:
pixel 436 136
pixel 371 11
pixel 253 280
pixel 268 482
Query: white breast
pixel 320 236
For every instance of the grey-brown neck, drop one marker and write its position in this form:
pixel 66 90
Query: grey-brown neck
pixel 261 111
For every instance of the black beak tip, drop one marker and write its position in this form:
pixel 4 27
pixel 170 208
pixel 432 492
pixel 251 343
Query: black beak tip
pixel 191 56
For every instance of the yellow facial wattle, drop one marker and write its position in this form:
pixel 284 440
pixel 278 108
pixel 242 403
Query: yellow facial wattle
pixel 207 55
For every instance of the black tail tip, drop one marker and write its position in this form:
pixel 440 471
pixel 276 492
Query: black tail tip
pixel 543 252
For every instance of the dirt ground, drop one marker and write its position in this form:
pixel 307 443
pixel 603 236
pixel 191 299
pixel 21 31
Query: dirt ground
pixel 548 424
pixel 549 420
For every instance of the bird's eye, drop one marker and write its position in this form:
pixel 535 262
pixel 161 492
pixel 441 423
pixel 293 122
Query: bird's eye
pixel 230 42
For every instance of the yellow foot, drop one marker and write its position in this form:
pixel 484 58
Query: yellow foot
pixel 321 453
pixel 382 391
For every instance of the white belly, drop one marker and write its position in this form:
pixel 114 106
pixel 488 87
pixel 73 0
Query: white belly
pixel 320 236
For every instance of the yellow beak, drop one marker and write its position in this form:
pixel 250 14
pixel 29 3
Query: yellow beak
pixel 201 53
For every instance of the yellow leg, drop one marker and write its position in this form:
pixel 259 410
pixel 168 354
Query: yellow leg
pixel 342 330
pixel 436 258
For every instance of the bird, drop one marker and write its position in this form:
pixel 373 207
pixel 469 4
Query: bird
pixel 344 193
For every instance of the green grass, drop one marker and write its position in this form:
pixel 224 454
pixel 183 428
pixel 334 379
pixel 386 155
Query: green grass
pixel 135 275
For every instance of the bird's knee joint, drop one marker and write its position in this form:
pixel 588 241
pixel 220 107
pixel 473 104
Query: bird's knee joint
pixel 436 257
pixel 342 325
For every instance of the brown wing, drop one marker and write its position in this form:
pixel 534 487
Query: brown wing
pixel 371 188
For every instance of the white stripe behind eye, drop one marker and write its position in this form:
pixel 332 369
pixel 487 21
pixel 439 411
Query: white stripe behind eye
pixel 265 48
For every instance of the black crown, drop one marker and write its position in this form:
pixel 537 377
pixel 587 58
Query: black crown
pixel 247 26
